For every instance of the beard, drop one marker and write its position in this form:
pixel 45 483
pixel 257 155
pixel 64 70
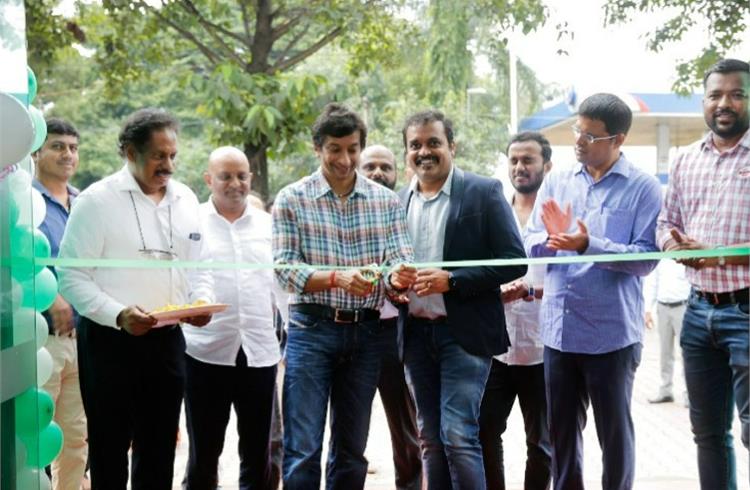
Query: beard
pixel 384 183
pixel 737 128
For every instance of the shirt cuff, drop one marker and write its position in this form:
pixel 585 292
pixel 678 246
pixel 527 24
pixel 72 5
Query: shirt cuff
pixel 107 314
pixel 597 246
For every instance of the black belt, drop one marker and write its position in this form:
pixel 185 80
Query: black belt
pixel 338 315
pixel 673 304
pixel 428 321
pixel 728 298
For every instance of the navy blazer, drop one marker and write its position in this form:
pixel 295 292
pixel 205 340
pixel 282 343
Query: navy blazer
pixel 480 226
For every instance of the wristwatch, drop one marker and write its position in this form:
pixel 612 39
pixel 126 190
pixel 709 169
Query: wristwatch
pixel 451 282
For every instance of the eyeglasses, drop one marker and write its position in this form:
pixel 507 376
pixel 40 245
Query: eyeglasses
pixel 154 254
pixel 589 137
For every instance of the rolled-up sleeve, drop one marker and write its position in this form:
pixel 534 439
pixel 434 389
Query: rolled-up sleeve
pixel 287 246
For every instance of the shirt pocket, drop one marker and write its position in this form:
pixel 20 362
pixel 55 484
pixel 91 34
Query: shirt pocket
pixel 618 224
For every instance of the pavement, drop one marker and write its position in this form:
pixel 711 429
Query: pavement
pixel 665 452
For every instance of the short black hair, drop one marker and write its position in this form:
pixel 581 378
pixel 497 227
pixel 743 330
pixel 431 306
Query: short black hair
pixel 137 128
pixel 533 136
pixel 56 125
pixel 727 65
pixel 609 109
pixel 337 121
pixel 426 117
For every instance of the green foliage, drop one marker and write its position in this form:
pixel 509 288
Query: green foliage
pixel 727 22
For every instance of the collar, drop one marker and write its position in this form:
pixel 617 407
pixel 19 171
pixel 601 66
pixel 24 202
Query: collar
pixel 72 191
pixel 321 186
pixel 708 142
pixel 125 182
pixel 447 185
pixel 622 166
pixel 215 212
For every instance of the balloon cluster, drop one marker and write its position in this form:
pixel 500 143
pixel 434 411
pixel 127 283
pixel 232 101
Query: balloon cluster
pixel 33 287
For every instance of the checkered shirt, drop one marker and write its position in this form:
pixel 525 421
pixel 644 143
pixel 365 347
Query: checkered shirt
pixel 708 199
pixel 312 226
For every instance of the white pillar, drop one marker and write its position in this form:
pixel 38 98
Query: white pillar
pixel 662 151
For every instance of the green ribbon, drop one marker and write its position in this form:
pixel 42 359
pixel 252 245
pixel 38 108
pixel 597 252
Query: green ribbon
pixel 564 259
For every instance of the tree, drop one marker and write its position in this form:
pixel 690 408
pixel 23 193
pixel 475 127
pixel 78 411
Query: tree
pixel 726 20
pixel 242 56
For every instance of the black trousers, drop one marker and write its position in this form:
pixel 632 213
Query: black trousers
pixel 605 381
pixel 132 391
pixel 210 392
pixel 503 386
pixel 400 413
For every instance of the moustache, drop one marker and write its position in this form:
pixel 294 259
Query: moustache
pixel 429 159
pixel 160 173
pixel 725 112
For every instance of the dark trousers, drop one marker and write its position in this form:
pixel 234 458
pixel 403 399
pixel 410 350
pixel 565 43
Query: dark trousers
pixel 210 392
pixel 606 381
pixel 132 391
pixel 400 413
pixel 503 386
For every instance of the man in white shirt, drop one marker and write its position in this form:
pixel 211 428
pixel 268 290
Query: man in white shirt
pixel 232 360
pixel 132 373
pixel 666 292
pixel 519 373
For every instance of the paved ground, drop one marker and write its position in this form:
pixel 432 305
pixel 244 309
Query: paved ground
pixel 664 446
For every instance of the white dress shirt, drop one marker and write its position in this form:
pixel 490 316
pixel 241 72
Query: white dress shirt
pixel 666 284
pixel 522 320
pixel 426 219
pixel 248 323
pixel 103 224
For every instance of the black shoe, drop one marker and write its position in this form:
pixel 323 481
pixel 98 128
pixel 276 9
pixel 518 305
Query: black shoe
pixel 662 399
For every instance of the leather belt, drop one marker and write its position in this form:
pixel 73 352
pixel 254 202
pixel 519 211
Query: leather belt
pixel 728 298
pixel 338 315
pixel 428 321
pixel 673 304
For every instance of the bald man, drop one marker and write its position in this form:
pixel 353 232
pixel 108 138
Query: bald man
pixel 378 163
pixel 232 360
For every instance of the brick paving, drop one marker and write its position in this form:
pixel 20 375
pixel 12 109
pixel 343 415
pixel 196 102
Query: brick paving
pixel 665 453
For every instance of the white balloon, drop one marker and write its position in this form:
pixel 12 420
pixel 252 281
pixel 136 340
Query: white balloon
pixel 34 214
pixel 19 181
pixel 43 366
pixel 23 325
pixel 17 134
pixel 21 454
pixel 42 331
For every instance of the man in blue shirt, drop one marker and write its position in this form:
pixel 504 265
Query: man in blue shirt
pixel 592 313
pixel 56 162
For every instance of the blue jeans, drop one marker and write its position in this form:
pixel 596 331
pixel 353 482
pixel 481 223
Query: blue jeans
pixel 447 384
pixel 715 345
pixel 341 360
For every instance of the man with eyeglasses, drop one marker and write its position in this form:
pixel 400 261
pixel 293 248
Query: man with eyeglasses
pixel 132 373
pixel 707 206
pixel 592 314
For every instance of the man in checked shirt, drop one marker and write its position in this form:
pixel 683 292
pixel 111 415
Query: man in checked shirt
pixel 708 205
pixel 335 217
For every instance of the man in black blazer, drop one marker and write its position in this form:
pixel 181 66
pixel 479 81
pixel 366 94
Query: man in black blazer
pixel 453 322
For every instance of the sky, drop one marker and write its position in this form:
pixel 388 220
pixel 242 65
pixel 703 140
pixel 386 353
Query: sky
pixel 613 58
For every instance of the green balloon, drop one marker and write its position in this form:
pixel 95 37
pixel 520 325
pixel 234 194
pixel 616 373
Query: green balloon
pixel 40 127
pixel 34 411
pixel 32 84
pixel 45 447
pixel 27 244
pixel 40 291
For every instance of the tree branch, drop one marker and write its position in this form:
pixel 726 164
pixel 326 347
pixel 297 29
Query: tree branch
pixel 210 55
pixel 282 29
pixel 211 29
pixel 294 41
pixel 245 20
pixel 285 64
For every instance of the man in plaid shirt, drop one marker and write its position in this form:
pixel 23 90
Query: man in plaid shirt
pixel 335 218
pixel 708 205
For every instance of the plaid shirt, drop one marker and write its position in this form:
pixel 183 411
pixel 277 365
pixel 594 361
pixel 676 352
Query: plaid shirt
pixel 312 226
pixel 708 199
